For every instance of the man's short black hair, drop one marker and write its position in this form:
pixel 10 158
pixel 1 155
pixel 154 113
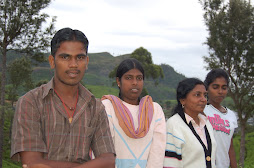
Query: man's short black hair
pixel 68 34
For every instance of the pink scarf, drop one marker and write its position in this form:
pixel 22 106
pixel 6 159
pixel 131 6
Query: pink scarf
pixel 125 119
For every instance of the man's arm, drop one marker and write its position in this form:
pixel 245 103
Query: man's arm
pixel 105 160
pixel 35 160
pixel 231 153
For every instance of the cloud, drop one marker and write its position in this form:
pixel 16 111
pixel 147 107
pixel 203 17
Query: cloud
pixel 173 31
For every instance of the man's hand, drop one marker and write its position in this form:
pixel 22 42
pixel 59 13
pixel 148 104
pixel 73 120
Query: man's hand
pixel 35 166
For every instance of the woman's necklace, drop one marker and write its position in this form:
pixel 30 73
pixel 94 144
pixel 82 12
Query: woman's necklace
pixel 226 111
pixel 70 108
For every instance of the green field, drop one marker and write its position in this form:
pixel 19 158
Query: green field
pixel 99 91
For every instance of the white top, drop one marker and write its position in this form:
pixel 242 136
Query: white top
pixel 224 125
pixel 185 149
pixel 146 152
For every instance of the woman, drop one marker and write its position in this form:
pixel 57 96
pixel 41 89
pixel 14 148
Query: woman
pixel 222 119
pixel 190 141
pixel 137 125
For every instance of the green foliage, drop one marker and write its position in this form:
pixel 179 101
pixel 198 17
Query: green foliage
pixel 20 71
pixel 144 92
pixel 91 78
pixel 20 28
pixel 145 57
pixel 168 106
pixel 41 82
pixel 229 103
pixel 7 136
pixel 7 164
pixel 42 73
pixel 249 153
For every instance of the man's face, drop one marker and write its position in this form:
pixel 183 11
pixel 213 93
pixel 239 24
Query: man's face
pixel 70 63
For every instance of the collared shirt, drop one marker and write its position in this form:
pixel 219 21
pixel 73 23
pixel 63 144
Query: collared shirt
pixel 200 130
pixel 41 124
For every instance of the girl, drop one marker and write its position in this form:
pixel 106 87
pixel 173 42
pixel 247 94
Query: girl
pixel 137 124
pixel 222 119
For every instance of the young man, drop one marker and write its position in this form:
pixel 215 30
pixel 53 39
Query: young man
pixel 56 124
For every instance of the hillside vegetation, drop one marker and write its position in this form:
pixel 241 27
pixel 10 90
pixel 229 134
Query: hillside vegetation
pixel 99 67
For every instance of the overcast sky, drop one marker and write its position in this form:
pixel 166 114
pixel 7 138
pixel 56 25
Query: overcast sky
pixel 173 31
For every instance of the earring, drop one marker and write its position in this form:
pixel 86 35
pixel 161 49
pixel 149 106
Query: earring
pixel 182 106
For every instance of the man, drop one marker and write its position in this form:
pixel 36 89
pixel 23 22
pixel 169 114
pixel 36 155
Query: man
pixel 56 124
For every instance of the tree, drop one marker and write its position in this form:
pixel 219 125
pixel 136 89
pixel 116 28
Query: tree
pixel 145 57
pixel 20 71
pixel 21 29
pixel 231 47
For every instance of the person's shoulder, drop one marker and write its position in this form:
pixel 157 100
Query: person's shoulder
pixel 36 93
pixel 231 113
pixel 175 118
pixel 208 109
pixel 84 92
pixel 175 122
pixel 156 104
pixel 106 102
pixel 158 109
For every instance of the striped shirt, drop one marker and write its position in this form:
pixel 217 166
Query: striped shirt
pixel 41 125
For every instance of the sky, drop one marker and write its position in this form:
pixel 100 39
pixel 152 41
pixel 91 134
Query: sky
pixel 172 31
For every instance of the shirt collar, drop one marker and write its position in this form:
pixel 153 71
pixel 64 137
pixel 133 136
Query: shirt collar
pixel 83 92
pixel 202 119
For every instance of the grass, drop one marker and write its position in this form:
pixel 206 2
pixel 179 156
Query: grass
pixel 99 91
pixel 7 164
pixel 249 149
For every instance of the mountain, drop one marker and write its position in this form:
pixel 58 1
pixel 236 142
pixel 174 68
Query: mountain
pixel 101 64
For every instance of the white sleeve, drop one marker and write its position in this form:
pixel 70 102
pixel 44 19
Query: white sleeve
pixel 157 150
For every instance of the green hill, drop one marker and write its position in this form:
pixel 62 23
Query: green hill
pixel 99 67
